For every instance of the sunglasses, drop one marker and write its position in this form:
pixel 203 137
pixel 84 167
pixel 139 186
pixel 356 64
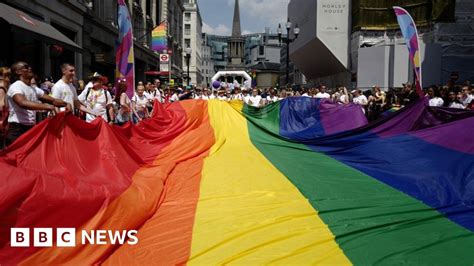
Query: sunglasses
pixel 26 66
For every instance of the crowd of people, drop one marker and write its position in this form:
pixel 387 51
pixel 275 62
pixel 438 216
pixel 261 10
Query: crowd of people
pixel 24 102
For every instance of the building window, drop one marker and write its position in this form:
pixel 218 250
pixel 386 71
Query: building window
pixel 187 29
pixel 187 16
pixel 187 43
pixel 261 50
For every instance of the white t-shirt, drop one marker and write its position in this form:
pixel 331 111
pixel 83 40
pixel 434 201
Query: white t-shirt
pixel 174 98
pixel 436 101
pixel 343 99
pixel 238 96
pixel 97 101
pixel 140 101
pixel 467 100
pixel 272 99
pixel 456 105
pixel 65 92
pixel 18 114
pixel 246 98
pixel 255 100
pixel 322 95
pixel 361 100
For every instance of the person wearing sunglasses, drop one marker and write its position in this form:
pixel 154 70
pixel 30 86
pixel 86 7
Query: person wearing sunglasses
pixel 24 101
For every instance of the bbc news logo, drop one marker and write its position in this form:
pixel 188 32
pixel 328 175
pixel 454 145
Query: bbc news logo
pixel 66 237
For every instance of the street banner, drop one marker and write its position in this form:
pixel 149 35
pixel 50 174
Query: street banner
pixel 159 41
pixel 410 33
pixel 125 59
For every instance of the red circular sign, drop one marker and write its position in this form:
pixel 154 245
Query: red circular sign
pixel 164 57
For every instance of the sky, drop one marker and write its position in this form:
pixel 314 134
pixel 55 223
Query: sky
pixel 255 15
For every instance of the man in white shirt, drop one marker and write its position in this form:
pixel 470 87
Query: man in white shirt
pixel 359 99
pixel 98 100
pixel 65 90
pixel 24 101
pixel 322 94
pixel 255 100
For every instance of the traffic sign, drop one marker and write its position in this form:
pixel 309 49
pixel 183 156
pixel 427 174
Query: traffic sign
pixel 164 58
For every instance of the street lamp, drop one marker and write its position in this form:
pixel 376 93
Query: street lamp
pixel 188 57
pixel 287 41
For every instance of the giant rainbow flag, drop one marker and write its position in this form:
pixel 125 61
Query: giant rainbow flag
pixel 124 58
pixel 410 33
pixel 159 38
pixel 298 182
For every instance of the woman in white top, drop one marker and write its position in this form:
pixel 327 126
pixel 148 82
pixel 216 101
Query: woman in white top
pixel 139 104
pixel 123 102
pixel 435 99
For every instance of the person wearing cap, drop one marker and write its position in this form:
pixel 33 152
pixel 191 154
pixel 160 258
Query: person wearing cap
pixel 98 100
pixel 90 83
pixel 359 99
pixel 64 89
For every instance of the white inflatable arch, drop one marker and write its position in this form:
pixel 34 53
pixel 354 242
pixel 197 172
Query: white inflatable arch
pixel 248 79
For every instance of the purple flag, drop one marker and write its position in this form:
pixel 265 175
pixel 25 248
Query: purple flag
pixel 125 59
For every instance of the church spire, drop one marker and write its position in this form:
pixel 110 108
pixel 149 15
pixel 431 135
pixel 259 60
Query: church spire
pixel 236 24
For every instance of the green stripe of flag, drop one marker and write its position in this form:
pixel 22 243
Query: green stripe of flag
pixel 373 222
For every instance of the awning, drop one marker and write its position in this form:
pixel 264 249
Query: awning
pixel 20 20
